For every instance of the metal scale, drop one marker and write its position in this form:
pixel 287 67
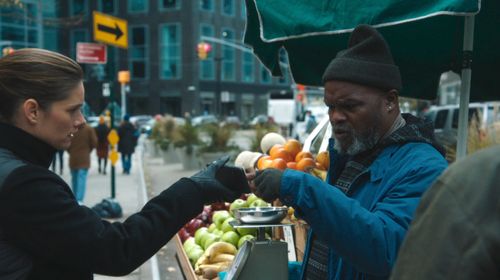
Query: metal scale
pixel 260 258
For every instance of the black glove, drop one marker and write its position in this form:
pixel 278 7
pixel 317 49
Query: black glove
pixel 268 182
pixel 215 187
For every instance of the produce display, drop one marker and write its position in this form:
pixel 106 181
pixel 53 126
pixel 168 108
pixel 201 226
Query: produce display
pixel 209 240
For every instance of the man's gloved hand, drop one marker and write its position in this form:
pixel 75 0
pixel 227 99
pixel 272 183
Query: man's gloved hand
pixel 267 183
pixel 214 189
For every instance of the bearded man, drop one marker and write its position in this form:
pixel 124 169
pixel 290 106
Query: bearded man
pixel 382 162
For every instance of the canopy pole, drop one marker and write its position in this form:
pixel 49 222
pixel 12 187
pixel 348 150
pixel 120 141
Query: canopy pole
pixel 463 114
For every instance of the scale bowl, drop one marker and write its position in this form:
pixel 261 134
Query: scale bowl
pixel 260 215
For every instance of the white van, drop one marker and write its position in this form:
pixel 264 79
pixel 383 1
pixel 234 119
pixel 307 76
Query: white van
pixel 445 119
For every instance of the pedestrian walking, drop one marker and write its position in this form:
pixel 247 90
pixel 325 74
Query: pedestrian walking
pixel 128 135
pixel 102 131
pixel 82 144
pixel 44 232
pixel 58 157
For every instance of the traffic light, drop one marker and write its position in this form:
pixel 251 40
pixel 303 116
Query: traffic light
pixel 203 50
pixel 7 51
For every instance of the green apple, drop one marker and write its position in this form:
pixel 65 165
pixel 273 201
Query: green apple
pixel 243 239
pixel 251 198
pixel 204 237
pixel 231 237
pixel 218 232
pixel 237 204
pixel 259 203
pixel 199 233
pixel 226 226
pixel 188 244
pixel 194 254
pixel 219 217
pixel 194 247
pixel 246 231
pixel 211 227
pixel 211 238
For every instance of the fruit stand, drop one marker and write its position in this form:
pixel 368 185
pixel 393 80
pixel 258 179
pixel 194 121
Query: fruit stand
pixel 209 243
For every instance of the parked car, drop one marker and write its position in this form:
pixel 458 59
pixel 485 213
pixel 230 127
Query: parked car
pixel 232 120
pixel 148 127
pixel 205 119
pixel 259 119
pixel 445 119
pixel 140 121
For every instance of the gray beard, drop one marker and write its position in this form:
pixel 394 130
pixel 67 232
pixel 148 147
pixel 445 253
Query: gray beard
pixel 359 143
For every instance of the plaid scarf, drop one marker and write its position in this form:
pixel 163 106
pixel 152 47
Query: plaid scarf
pixel 349 168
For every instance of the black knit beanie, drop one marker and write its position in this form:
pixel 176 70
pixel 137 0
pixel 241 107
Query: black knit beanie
pixel 367 61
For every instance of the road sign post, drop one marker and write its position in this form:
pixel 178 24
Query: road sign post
pixel 124 79
pixel 110 30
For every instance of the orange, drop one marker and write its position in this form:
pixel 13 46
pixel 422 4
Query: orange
pixel 293 147
pixel 278 163
pixel 306 164
pixel 274 149
pixel 303 154
pixel 283 154
pixel 324 159
pixel 264 162
pixel 291 165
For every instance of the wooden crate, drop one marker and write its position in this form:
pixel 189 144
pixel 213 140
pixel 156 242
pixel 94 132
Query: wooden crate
pixel 183 260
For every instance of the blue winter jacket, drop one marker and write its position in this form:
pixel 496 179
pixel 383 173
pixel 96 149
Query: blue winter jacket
pixel 364 231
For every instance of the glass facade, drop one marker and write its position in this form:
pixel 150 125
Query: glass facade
pixel 19 26
pixel 169 4
pixel 78 7
pixel 207 5
pixel 228 7
pixel 207 66
pixel 138 52
pixel 265 76
pixel 228 56
pixel 77 35
pixel 137 6
pixel 108 6
pixel 170 51
pixel 247 75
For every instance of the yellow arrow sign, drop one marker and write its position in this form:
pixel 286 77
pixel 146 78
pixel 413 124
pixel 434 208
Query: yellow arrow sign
pixel 110 30
pixel 113 137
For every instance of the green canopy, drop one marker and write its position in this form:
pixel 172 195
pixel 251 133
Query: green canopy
pixel 426 38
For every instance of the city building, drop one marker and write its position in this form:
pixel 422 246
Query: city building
pixel 167 74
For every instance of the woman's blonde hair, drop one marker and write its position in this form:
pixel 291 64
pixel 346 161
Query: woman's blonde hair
pixel 40 74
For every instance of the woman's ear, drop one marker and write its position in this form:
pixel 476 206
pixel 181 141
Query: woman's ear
pixel 31 110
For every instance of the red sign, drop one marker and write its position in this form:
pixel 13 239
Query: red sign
pixel 91 53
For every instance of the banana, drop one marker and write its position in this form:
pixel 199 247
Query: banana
pixel 210 269
pixel 222 258
pixel 202 260
pixel 319 173
pixel 220 247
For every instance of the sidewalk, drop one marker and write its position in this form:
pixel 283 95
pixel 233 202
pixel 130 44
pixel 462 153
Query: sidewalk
pixel 130 193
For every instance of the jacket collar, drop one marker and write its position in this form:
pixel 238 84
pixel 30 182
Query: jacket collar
pixel 26 146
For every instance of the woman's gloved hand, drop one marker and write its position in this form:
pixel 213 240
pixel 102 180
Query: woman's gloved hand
pixel 221 183
pixel 267 184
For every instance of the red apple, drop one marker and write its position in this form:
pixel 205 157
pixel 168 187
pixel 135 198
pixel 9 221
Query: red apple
pixel 183 234
pixel 218 206
pixel 193 225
